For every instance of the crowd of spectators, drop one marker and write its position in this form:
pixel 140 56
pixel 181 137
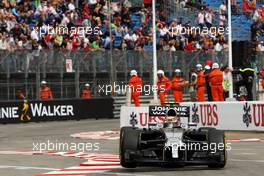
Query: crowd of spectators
pixel 204 35
pixel 257 28
pixel 255 14
pixel 63 24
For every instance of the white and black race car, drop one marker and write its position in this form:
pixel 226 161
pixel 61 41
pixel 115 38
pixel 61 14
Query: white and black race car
pixel 172 142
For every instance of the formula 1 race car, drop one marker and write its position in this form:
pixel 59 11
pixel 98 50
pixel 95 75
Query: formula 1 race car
pixel 172 143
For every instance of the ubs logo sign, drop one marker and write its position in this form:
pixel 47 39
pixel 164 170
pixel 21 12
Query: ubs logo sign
pixel 253 114
pixel 206 114
pixel 247 116
pixel 195 116
pixel 133 119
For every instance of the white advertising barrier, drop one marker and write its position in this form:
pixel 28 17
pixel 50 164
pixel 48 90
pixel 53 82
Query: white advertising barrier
pixel 221 115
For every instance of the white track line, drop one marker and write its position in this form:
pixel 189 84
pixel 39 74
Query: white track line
pixel 106 160
pixel 241 149
pixel 61 172
pixel 15 153
pixel 92 168
pixel 251 140
pixel 101 163
pixel 27 168
pixel 256 161
pixel 124 174
pixel 248 153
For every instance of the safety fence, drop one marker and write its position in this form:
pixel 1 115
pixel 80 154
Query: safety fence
pixel 66 72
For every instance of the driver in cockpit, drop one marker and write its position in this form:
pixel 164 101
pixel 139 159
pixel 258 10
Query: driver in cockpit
pixel 172 120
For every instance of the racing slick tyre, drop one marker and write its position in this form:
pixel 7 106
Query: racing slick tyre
pixel 128 141
pixel 217 137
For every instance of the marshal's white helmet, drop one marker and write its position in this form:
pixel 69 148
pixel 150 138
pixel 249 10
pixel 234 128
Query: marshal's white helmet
pixel 160 72
pixel 207 67
pixel 87 85
pixel 215 65
pixel 199 66
pixel 133 73
pixel 177 71
pixel 43 82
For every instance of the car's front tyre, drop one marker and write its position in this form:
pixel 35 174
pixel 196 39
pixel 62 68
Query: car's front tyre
pixel 129 138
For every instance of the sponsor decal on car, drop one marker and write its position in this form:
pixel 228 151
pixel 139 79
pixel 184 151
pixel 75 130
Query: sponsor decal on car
pixel 182 111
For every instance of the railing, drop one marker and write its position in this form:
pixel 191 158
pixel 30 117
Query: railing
pixel 260 1
pixel 25 69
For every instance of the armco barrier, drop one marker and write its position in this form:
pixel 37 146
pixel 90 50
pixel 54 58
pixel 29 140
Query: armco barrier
pixel 248 116
pixel 68 109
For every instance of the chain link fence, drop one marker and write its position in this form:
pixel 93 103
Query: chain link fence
pixel 67 72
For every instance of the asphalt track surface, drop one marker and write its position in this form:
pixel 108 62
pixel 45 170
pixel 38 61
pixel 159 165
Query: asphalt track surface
pixel 245 158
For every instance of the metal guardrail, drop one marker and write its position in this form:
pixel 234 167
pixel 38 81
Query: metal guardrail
pixel 260 1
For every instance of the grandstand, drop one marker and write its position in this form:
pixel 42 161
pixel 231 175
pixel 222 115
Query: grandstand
pixel 66 62
pixel 241 25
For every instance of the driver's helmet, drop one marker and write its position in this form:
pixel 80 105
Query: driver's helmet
pixel 171 120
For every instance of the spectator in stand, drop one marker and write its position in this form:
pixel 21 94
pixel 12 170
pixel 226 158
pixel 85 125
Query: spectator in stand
pixel 234 7
pixel 260 46
pixel 189 46
pixel 183 3
pixel 218 47
pixel 131 27
pixel 96 44
pixel 45 91
pixel 208 18
pixel 200 19
pixel 222 8
pixel 208 43
pixel 222 15
pixel 3 42
pixel 92 3
pixel 147 3
pixel 248 6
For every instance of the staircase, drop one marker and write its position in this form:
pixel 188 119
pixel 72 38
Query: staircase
pixel 121 100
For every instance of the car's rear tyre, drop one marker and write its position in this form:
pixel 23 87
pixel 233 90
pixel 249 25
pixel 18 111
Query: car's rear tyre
pixel 217 137
pixel 129 138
